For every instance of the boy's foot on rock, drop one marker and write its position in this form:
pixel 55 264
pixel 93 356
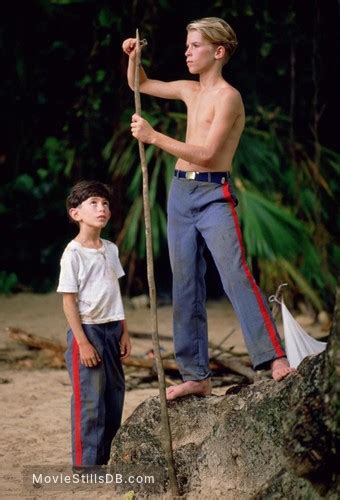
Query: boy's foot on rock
pixel 281 369
pixel 197 387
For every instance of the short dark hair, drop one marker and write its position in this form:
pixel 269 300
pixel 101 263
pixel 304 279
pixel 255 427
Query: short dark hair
pixel 84 190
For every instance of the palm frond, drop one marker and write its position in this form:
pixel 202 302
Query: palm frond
pixel 271 231
pixel 154 181
pixel 302 284
pixel 124 159
pixel 257 159
pixel 129 234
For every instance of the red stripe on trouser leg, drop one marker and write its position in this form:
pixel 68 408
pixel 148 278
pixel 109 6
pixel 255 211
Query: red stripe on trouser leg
pixel 266 318
pixel 77 404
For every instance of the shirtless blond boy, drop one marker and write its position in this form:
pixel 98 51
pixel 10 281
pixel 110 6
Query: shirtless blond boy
pixel 201 207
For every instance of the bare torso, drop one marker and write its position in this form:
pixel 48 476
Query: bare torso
pixel 201 106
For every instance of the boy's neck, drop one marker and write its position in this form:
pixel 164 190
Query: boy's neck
pixel 89 237
pixel 211 79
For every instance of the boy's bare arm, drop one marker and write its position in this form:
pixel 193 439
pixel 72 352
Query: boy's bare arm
pixel 125 344
pixel 88 354
pixel 206 155
pixel 157 88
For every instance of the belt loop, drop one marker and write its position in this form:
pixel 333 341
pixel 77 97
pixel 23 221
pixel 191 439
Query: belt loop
pixel 209 177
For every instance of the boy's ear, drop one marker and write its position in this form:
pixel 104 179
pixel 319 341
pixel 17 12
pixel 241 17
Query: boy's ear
pixel 74 214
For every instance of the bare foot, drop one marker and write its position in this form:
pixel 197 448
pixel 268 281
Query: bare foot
pixel 281 369
pixel 198 387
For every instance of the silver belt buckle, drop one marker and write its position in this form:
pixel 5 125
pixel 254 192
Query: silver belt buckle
pixel 190 175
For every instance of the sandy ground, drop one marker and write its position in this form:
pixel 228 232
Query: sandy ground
pixel 35 422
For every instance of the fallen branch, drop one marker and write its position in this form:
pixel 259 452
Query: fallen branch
pixel 218 347
pixel 12 356
pixel 52 353
pixel 236 366
pixel 146 335
pixel 34 341
pixel 168 364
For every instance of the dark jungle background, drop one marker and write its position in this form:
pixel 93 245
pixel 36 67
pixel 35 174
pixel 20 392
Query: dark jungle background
pixel 65 114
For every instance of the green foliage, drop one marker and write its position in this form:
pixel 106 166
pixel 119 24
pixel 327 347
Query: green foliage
pixel 275 237
pixel 270 231
pixel 105 18
pixel 124 162
pixel 59 156
pixel 64 94
pixel 33 213
pixel 65 2
pixel 8 282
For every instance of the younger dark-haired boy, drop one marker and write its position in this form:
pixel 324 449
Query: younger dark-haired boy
pixel 98 338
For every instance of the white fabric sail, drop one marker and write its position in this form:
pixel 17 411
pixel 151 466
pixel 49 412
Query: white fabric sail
pixel 298 343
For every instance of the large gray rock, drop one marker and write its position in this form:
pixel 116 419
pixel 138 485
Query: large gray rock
pixel 268 440
pixel 232 446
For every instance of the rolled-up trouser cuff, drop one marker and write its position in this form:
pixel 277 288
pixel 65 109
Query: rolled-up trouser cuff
pixel 193 375
pixel 262 361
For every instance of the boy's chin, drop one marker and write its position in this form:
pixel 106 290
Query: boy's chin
pixel 100 224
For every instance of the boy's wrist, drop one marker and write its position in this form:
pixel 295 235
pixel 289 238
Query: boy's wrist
pixel 155 136
pixel 83 342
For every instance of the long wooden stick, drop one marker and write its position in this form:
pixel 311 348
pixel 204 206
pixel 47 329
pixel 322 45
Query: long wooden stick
pixel 165 424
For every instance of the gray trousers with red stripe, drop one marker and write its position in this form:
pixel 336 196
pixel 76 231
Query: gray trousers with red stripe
pixel 98 394
pixel 200 214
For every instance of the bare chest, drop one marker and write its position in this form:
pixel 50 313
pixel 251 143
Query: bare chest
pixel 201 111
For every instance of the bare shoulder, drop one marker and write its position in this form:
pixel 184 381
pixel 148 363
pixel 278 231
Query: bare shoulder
pixel 190 85
pixel 189 88
pixel 230 97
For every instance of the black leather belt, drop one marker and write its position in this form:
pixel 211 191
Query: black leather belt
pixel 216 177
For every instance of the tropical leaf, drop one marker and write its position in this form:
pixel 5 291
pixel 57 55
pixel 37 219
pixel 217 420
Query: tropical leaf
pixel 124 160
pixel 129 233
pixel 271 231
pixel 154 181
pixel 258 160
pixel 302 284
pixel 135 184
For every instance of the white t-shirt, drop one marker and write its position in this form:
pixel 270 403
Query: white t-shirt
pixel 93 274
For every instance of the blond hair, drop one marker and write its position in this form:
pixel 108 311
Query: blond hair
pixel 216 31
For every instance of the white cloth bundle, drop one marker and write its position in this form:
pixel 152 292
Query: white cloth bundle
pixel 298 343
